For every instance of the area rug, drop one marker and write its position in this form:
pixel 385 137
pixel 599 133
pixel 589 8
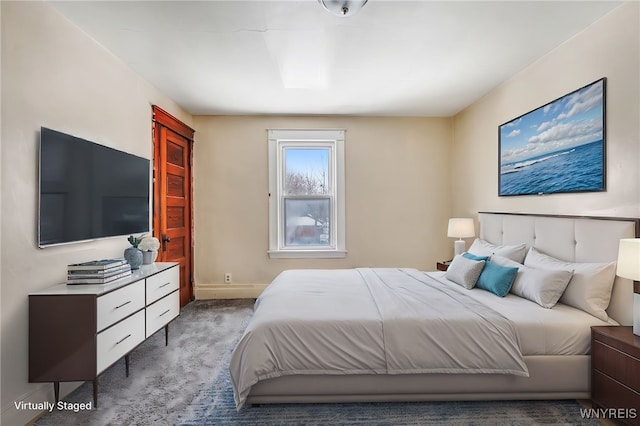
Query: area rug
pixel 187 383
pixel 216 406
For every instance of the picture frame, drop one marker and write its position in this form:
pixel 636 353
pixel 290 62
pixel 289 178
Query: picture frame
pixel 559 147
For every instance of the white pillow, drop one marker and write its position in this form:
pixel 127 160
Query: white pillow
pixel 543 286
pixel 464 271
pixel 514 252
pixel 590 286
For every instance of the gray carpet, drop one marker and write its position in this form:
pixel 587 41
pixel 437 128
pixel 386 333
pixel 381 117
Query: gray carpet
pixel 163 380
pixel 187 383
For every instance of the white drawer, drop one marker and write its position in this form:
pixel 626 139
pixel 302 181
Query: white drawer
pixel 163 283
pixel 163 311
pixel 118 304
pixel 117 341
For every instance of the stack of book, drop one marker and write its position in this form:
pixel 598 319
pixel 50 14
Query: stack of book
pixel 98 271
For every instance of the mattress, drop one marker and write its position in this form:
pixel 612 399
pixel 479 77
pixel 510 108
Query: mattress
pixel 562 330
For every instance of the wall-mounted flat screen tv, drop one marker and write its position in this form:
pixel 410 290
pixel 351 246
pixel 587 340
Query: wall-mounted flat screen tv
pixel 88 191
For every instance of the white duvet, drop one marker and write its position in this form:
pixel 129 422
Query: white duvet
pixel 370 321
pixel 563 330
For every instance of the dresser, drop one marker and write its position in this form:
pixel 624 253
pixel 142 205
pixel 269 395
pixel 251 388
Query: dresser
pixel 78 331
pixel 615 372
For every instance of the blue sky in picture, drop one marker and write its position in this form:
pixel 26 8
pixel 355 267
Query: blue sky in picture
pixel 573 120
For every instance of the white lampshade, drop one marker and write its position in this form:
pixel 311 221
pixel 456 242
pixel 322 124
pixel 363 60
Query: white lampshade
pixel 629 259
pixel 461 227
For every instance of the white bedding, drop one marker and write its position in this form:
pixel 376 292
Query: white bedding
pixel 371 321
pixel 562 330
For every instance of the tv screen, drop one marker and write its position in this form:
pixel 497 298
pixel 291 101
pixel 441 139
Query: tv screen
pixel 89 191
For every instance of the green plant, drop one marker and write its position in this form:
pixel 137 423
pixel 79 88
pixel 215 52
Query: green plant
pixel 135 240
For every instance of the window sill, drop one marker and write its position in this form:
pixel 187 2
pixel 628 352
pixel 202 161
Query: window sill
pixel 307 254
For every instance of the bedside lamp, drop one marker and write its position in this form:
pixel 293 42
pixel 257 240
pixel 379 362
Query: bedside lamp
pixel 629 267
pixel 460 227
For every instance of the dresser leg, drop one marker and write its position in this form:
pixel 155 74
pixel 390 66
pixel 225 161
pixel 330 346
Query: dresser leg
pixel 166 335
pixel 95 392
pixel 56 391
pixel 126 363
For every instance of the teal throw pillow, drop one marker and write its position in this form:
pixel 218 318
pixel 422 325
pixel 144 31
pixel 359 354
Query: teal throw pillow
pixel 474 257
pixel 497 279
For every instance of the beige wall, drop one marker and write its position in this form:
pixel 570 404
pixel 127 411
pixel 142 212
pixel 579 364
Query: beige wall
pixel 53 75
pixel 609 48
pixel 397 192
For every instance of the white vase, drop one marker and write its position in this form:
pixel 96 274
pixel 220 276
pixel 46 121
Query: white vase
pixel 148 257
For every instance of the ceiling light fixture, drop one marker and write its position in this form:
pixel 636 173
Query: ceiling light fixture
pixel 343 8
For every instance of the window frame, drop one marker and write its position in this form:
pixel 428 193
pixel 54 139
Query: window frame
pixel 278 140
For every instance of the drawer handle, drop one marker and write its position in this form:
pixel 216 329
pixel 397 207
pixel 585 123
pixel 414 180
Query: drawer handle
pixel 123 339
pixel 124 304
pixel 164 312
pixel 164 285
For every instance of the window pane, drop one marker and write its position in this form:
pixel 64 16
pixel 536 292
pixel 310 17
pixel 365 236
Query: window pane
pixel 306 171
pixel 307 222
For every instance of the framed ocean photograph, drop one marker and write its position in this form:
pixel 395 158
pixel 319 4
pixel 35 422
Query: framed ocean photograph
pixel 557 148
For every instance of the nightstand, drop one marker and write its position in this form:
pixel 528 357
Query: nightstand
pixel 615 371
pixel 443 266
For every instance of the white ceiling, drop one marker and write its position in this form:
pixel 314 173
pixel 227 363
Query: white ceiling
pixel 395 58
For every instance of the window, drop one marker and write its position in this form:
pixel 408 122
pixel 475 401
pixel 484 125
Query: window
pixel 306 190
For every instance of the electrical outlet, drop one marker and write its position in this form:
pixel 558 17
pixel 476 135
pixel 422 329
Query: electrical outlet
pixel 227 278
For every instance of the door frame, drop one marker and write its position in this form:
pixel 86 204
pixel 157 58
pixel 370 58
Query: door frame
pixel 161 118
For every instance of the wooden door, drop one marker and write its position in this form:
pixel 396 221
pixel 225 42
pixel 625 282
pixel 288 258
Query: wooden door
pixel 172 205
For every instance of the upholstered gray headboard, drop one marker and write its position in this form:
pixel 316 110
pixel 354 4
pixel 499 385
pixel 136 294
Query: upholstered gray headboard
pixel 572 239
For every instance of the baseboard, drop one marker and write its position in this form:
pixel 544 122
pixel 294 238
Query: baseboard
pixel 228 291
pixel 12 414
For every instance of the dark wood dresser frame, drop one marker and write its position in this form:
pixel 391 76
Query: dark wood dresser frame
pixel 615 371
pixel 56 356
pixel 63 345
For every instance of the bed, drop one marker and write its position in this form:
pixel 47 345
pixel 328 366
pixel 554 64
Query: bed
pixel 304 344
